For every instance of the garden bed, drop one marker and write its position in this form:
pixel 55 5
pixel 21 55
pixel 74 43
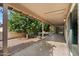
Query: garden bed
pixel 12 35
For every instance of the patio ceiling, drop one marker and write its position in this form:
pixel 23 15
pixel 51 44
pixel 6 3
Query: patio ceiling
pixel 53 13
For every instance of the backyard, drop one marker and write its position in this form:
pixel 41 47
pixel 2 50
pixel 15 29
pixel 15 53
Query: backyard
pixel 29 36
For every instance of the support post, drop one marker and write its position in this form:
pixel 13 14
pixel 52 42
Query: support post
pixel 5 20
pixel 57 30
pixel 42 30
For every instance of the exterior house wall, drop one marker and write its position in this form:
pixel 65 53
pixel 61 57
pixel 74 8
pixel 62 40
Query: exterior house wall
pixel 78 28
pixel 68 36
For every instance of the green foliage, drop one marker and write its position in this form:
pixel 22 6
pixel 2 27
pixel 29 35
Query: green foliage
pixel 46 27
pixel 17 22
pixel 25 24
pixel 52 29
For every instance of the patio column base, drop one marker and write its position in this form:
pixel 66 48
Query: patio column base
pixel 4 53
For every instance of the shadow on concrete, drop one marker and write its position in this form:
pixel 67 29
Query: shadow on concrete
pixel 19 47
pixel 56 38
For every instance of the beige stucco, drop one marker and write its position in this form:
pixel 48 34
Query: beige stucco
pixel 53 13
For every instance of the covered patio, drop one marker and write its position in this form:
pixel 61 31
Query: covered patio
pixel 55 44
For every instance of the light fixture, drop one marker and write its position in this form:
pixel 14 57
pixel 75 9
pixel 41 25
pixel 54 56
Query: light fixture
pixel 64 20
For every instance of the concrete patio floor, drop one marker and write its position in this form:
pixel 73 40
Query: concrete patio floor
pixel 53 45
pixel 15 45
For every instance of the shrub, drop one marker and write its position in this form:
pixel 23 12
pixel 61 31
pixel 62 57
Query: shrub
pixel 25 24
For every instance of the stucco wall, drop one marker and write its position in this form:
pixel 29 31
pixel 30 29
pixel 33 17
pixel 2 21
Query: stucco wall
pixel 12 34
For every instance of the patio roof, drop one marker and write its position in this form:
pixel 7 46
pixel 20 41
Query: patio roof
pixel 48 12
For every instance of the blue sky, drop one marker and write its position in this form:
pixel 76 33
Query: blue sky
pixel 1 16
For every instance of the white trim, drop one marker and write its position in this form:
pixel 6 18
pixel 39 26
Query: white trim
pixel 71 8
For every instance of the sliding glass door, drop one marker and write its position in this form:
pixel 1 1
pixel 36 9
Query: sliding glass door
pixel 73 31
